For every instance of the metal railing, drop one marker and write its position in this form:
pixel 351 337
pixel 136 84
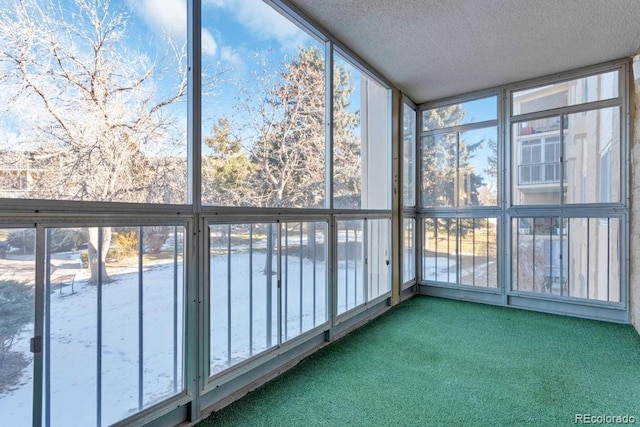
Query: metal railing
pixel 539 173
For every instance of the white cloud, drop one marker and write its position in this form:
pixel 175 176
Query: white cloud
pixel 215 3
pixel 231 56
pixel 209 45
pixel 170 17
pixel 264 21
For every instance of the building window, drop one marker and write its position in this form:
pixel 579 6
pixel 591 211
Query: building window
pixel 539 161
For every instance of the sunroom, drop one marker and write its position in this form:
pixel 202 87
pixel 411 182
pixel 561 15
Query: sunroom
pixel 197 195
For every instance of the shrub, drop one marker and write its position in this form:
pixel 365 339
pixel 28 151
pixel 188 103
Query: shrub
pixel 123 244
pixel 25 240
pixel 16 311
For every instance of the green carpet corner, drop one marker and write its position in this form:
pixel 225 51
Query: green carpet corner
pixel 440 362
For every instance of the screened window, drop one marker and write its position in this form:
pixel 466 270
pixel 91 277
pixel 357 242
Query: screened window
pixel 408 250
pixel 304 277
pixel 363 269
pixel 244 292
pixel 461 251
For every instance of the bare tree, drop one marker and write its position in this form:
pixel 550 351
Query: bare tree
pixel 290 151
pixel 91 113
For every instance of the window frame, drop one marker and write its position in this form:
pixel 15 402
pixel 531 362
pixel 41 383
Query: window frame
pixel 507 209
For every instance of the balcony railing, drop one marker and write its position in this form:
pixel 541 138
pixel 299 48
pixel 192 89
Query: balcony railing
pixel 539 173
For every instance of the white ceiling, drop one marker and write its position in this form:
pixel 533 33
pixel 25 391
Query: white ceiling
pixel 432 49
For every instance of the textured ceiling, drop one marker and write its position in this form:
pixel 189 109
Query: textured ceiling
pixel 433 49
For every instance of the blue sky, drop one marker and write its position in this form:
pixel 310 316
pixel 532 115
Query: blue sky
pixel 235 35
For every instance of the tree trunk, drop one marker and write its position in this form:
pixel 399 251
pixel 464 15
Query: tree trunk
pixel 92 251
pixel 269 268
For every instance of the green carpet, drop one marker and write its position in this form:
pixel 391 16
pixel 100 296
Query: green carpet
pixel 432 361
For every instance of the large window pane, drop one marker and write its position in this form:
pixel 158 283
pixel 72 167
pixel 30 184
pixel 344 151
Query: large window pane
pixel 243 292
pixel 478 252
pixel 108 292
pixel 593 156
pixel 536 154
pixel 439 173
pixel 351 266
pixel 477 175
pixel 593 258
pixel 573 257
pixel 590 171
pixel 460 168
pixel 563 94
pixel 361 174
pixel 474 111
pixel 304 277
pixel 92 101
pixel 408 156
pixel 378 257
pixel 17 280
pixel 263 110
pixel 408 249
pixel 440 262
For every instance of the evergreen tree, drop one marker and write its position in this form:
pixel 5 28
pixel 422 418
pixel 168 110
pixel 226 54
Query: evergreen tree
pixel 284 165
pixel 227 170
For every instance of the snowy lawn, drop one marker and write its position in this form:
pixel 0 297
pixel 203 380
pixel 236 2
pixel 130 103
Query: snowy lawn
pixel 244 322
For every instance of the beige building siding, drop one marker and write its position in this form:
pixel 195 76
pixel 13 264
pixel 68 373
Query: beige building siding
pixel 634 279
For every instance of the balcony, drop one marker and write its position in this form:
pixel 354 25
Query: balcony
pixel 539 173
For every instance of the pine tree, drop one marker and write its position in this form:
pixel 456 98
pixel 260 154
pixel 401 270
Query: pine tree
pixel 285 163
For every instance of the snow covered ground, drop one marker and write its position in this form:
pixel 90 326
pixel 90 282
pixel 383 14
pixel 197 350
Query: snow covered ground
pixel 240 323
pixel 443 269
pixel 73 353
pixel 252 311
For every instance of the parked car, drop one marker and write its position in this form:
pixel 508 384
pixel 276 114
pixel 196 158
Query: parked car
pixel 4 249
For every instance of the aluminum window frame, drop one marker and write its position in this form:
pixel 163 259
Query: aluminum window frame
pixel 367 301
pixel 411 282
pixel 407 103
pixel 506 210
pixel 40 223
pixel 457 129
pixel 201 392
pixel 585 301
pixel 564 113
